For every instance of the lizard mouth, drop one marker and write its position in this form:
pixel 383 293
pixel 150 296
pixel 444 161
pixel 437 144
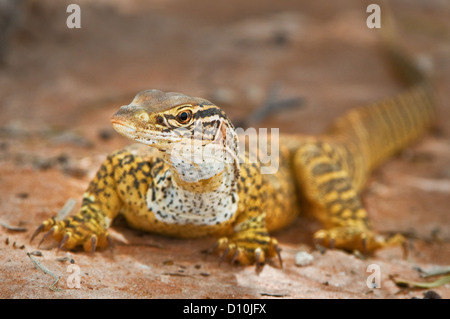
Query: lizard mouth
pixel 124 129
pixel 144 137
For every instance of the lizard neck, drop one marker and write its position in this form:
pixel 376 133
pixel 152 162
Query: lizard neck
pixel 201 166
pixel 199 188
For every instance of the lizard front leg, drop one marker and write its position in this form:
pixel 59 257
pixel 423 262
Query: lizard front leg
pixel 101 204
pixel 250 243
pixel 329 190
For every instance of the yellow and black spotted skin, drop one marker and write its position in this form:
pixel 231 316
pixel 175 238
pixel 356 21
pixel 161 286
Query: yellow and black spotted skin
pixel 229 197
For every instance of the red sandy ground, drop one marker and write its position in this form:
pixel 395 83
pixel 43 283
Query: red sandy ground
pixel 58 88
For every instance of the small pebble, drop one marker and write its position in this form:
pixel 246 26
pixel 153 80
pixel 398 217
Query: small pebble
pixel 431 294
pixel 36 253
pixel 303 258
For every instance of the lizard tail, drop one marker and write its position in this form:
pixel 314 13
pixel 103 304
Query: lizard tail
pixel 375 132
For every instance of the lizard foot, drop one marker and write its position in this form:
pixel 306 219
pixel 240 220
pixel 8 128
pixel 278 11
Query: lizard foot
pixel 352 238
pixel 75 231
pixel 247 252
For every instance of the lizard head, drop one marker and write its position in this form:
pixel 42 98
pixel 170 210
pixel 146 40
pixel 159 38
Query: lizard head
pixel 174 121
pixel 161 119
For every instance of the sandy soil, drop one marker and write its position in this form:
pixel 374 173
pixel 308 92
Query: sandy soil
pixel 58 87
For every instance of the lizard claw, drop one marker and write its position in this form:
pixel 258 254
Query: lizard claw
pixel 63 241
pixel 224 254
pixel 348 238
pixel 73 232
pixel 92 243
pixel 45 226
pixel 46 235
pixel 246 254
pixel 37 232
pixel 278 251
pixel 235 257
pixel 364 245
pixel 259 257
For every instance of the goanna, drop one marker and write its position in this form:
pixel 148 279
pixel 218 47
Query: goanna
pixel 167 185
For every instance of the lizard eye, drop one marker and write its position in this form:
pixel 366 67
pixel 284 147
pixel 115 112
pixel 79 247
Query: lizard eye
pixel 159 120
pixel 184 116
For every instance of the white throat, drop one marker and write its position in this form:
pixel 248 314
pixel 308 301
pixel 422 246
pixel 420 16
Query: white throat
pixel 173 202
pixel 200 187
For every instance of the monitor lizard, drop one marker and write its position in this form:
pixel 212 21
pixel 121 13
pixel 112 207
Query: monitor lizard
pixel 160 188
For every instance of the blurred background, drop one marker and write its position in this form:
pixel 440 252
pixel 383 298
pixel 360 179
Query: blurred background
pixel 231 52
pixel 59 86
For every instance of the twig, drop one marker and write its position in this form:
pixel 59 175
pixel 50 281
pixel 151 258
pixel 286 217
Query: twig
pixel 176 274
pixel 44 269
pixel 425 285
pixel 67 208
pixel 14 228
pixel 434 272
pixel 274 294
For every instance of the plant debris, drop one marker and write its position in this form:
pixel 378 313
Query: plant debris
pixel 36 253
pixel 14 228
pixel 438 271
pixel 176 274
pixel 274 294
pixel 15 245
pixel 69 259
pixel 403 283
pixel 45 270
pixel 67 208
